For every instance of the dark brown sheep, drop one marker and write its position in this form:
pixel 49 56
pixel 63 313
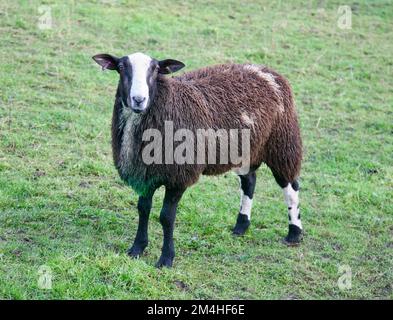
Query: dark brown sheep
pixel 243 97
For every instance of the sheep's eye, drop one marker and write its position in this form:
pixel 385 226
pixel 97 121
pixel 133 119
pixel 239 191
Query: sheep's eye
pixel 121 67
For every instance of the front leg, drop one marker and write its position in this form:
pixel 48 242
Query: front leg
pixel 141 239
pixel 167 219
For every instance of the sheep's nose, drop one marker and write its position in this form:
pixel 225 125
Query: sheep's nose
pixel 138 99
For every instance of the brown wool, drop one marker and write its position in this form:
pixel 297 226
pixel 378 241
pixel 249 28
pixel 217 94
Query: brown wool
pixel 229 96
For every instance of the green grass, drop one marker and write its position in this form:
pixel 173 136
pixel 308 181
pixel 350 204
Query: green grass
pixel 63 205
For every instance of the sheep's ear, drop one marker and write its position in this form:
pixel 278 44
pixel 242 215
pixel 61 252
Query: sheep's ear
pixel 169 66
pixel 106 61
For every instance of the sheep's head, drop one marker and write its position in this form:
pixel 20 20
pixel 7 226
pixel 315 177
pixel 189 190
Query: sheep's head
pixel 138 76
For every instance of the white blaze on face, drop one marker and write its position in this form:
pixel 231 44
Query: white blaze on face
pixel 139 88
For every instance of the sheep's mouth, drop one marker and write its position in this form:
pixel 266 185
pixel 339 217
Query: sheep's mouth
pixel 133 109
pixel 138 107
pixel 137 110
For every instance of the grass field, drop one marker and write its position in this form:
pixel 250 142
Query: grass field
pixel 62 204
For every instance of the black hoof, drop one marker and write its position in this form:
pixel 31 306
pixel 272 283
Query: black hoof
pixel 294 236
pixel 136 251
pixel 164 262
pixel 242 225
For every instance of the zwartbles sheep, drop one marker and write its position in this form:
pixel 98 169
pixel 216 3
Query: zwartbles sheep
pixel 223 100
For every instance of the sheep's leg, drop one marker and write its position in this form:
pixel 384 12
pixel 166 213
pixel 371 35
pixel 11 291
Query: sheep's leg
pixel 141 238
pixel 167 219
pixel 291 196
pixel 247 187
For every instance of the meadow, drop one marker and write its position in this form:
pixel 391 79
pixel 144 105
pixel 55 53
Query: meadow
pixel 65 211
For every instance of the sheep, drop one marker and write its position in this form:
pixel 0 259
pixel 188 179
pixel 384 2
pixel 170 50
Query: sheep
pixel 227 96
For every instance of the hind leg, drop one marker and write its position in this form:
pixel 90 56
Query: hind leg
pixel 291 196
pixel 247 187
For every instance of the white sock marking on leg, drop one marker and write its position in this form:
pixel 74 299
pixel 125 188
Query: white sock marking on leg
pixel 292 200
pixel 245 204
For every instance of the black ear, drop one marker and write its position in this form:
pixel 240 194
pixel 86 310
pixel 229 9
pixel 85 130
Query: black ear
pixel 106 61
pixel 169 66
